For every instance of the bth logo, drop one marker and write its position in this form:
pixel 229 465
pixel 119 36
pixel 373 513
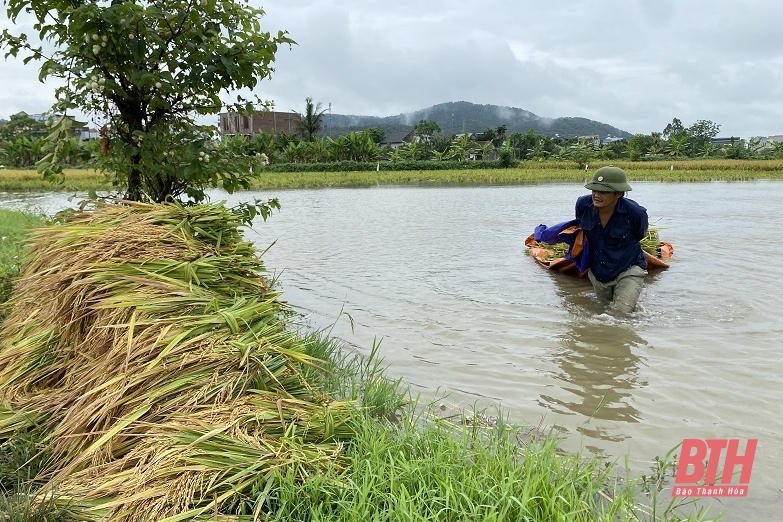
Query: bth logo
pixel 694 478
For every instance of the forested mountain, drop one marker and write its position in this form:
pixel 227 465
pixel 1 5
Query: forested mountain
pixel 457 117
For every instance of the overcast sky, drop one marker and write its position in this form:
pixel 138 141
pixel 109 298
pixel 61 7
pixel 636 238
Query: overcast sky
pixel 634 64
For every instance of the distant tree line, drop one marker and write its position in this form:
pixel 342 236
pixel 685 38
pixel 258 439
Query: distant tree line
pixel 21 141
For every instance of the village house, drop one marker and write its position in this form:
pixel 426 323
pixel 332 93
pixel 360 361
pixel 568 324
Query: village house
pixel 594 140
pixel 86 133
pixel 610 139
pixel 766 143
pixel 727 142
pixel 270 122
pixel 483 150
pixel 397 138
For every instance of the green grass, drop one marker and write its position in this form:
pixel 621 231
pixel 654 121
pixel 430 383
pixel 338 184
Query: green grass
pixel 21 507
pixel 19 180
pixel 13 230
pixel 524 173
pixel 530 172
pixel 429 462
pixel 425 469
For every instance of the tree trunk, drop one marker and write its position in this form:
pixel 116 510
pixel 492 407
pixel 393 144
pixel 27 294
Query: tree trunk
pixel 132 114
pixel 134 183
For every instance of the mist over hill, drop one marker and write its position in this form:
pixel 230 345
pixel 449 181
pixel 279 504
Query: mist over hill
pixel 458 117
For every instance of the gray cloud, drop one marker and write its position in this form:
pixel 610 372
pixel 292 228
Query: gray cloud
pixel 635 65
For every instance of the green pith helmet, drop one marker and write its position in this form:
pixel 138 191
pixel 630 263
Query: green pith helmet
pixel 609 179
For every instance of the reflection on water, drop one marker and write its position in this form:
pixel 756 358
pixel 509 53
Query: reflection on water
pixel 598 366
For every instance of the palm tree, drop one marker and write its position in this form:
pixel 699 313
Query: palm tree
pixel 709 149
pixel 318 152
pixel 539 151
pixel 460 149
pixel 754 146
pixel 311 121
pixel 413 150
pixel 677 146
pixel 23 152
pixel 485 149
pixel 337 149
pixel 500 132
pixel 438 155
pixel 295 152
pixel 262 143
pixel 632 149
pixel 361 147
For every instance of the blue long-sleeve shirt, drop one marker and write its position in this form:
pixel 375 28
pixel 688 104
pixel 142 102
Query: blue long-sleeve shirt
pixel 615 247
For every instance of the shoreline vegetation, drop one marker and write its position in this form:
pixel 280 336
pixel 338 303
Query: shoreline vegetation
pixel 322 433
pixel 14 180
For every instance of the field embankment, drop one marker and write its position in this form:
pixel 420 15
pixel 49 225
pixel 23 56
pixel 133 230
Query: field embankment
pixel 523 173
pixel 76 180
pixel 529 172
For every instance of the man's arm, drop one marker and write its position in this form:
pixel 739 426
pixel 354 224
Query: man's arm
pixel 640 223
pixel 579 207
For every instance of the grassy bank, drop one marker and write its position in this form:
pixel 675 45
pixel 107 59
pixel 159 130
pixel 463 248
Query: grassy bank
pixel 76 180
pixel 149 372
pixel 530 172
pixel 525 172
pixel 14 227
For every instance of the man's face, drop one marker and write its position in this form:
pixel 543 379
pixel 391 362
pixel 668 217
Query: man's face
pixel 605 200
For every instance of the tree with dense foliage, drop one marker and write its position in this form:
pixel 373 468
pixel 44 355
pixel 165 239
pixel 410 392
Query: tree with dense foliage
pixel 701 133
pixel 523 143
pixel 580 152
pixel 311 121
pixel 500 136
pixel 640 144
pixel 674 129
pixel 21 126
pixel 20 140
pixel 735 150
pixel 656 146
pixel 488 135
pixel 21 152
pixel 426 128
pixel 353 147
pixel 440 143
pixel 148 70
pixel 539 151
pixel 376 133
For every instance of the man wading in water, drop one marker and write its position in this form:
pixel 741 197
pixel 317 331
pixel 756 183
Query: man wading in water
pixel 614 225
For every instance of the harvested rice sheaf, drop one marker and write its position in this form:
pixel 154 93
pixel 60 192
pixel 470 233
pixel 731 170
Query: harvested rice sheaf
pixel 650 244
pixel 147 341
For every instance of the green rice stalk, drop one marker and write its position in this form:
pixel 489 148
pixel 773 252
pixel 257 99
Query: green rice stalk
pixel 651 243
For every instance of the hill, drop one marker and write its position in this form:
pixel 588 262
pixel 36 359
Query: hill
pixel 457 117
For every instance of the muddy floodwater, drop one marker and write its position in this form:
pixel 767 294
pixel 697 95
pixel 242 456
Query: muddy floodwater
pixel 441 278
